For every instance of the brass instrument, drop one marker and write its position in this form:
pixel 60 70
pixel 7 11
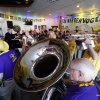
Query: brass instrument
pixel 42 65
pixel 24 41
pixel 84 36
pixel 16 28
pixel 27 42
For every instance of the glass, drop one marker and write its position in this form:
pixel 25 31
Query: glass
pixel 71 69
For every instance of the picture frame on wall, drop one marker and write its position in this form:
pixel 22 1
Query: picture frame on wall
pixel 43 26
pixel 40 20
pixel 15 18
pixel 36 20
pixel 35 26
pixel 7 16
pixel 64 21
pixel 19 18
pixel 1 15
pixel 39 27
pixel 11 17
pixel 23 19
pixel 31 20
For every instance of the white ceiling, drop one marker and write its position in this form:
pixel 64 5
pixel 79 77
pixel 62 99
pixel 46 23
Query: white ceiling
pixel 42 8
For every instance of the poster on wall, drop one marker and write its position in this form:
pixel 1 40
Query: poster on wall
pixel 39 27
pixel 35 26
pixel 1 15
pixel 31 20
pixel 92 21
pixel 11 17
pixel 7 16
pixel 23 19
pixel 43 26
pixel 15 18
pixel 64 21
pixel 19 18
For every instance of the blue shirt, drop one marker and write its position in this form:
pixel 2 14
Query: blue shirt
pixel 7 63
pixel 81 93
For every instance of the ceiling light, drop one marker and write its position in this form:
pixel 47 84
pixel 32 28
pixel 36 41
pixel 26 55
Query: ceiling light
pixel 18 2
pixel 92 12
pixel 49 14
pixel 52 1
pixel 78 6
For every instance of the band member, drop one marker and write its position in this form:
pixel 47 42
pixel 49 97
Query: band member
pixel 93 54
pixel 8 59
pixel 81 72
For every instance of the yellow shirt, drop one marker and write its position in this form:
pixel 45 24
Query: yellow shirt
pixel 72 46
pixel 96 63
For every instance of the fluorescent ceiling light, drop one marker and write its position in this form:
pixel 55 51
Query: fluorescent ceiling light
pixel 78 6
pixel 52 0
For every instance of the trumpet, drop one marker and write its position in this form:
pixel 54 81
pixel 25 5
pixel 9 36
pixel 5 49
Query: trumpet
pixel 84 36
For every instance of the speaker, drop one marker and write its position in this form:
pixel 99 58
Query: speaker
pixel 9 24
pixel 28 22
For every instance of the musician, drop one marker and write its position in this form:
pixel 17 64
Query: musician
pixel 18 35
pixel 83 29
pixel 81 72
pixel 93 54
pixel 17 41
pixel 8 59
pixel 72 45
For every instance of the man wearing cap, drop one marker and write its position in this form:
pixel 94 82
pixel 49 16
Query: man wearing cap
pixel 8 59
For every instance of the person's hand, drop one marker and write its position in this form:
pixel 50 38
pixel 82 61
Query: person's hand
pixel 71 38
pixel 67 81
pixel 0 82
pixel 87 41
pixel 13 39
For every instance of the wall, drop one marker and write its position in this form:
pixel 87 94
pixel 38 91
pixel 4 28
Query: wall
pixel 91 20
pixel 48 22
pixel 69 21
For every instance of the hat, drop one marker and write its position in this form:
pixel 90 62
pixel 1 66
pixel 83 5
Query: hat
pixel 3 46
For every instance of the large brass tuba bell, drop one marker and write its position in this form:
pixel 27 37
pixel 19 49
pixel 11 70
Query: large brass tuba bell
pixel 42 65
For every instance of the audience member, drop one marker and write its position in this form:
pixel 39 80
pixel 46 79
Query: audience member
pixel 9 37
pixel 81 72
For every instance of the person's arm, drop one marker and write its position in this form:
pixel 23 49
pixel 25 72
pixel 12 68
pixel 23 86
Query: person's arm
pixel 1 76
pixel 1 67
pixel 92 52
pixel 5 37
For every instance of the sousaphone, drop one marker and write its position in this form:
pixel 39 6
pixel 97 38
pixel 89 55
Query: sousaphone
pixel 16 28
pixel 42 65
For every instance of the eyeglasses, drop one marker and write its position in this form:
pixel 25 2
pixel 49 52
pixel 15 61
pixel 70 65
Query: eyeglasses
pixel 71 69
